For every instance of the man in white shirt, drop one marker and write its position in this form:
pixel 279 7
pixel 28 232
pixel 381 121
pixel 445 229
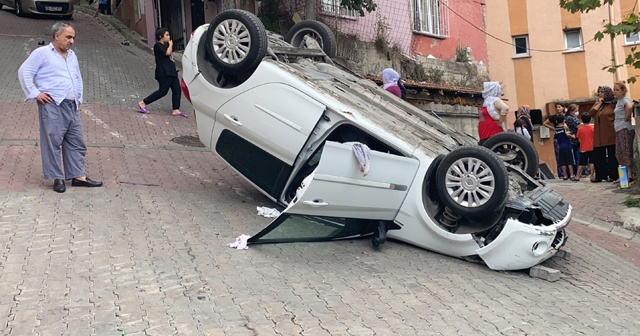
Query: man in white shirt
pixel 51 76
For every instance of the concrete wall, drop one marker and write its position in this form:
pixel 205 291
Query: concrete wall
pixel 462 118
pixel 144 26
pixel 368 59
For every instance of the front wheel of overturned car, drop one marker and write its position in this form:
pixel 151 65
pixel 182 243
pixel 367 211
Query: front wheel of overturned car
pixel 515 149
pixel 319 32
pixel 472 181
pixel 236 42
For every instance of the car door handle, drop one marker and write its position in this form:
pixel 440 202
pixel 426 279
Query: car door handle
pixel 315 203
pixel 233 120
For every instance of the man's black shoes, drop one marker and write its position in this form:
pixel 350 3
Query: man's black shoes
pixel 58 185
pixel 88 183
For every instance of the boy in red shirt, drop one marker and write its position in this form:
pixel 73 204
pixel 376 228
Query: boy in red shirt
pixel 585 135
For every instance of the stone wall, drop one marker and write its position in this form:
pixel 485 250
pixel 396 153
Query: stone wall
pixel 370 58
pixel 366 58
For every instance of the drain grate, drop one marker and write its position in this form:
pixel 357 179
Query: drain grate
pixel 188 140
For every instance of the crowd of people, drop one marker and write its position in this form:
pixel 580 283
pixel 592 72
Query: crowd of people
pixel 582 148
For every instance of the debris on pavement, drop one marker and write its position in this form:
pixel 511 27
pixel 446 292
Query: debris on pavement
pixel 267 212
pixel 545 273
pixel 240 243
pixel 564 253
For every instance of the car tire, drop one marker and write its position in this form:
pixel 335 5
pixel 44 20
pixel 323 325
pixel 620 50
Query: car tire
pixel 472 181
pixel 18 8
pixel 513 148
pixel 316 30
pixel 236 42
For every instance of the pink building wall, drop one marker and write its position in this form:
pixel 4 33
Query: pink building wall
pixel 461 33
pixel 393 14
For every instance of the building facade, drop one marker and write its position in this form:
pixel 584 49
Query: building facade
pixel 181 17
pixel 542 54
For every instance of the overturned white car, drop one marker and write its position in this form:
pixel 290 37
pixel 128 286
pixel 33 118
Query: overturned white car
pixel 289 120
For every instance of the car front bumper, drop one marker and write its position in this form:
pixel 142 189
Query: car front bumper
pixel 520 245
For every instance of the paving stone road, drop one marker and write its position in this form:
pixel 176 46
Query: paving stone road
pixel 146 254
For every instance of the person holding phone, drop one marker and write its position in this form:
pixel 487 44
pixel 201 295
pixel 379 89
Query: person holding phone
pixel 166 75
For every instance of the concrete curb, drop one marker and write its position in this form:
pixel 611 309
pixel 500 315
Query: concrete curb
pixel 601 225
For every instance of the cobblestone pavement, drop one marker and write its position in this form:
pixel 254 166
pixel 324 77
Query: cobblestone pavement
pixel 146 254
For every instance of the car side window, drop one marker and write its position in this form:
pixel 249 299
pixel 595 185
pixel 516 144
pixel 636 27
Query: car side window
pixel 263 169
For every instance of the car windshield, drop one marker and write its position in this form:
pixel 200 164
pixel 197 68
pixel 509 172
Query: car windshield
pixel 303 228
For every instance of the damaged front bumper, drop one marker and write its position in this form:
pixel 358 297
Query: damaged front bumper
pixel 532 234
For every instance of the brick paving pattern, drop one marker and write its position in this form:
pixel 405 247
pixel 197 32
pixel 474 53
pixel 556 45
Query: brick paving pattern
pixel 146 254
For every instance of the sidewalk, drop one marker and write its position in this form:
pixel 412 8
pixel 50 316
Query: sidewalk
pixel 602 206
pixel 132 36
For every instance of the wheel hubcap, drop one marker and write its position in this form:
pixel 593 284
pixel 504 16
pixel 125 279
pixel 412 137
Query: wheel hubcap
pixel 231 41
pixel 470 182
pixel 511 154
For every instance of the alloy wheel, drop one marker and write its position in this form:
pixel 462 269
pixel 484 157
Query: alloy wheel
pixel 470 182
pixel 231 41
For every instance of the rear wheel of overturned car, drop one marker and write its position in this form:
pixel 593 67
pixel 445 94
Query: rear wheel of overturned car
pixel 472 181
pixel 236 41
pixel 319 32
pixel 516 150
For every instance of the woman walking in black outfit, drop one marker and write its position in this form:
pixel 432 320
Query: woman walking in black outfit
pixel 166 75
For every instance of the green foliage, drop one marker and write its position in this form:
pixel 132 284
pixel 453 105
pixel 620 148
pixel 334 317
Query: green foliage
pixel 381 40
pixel 359 5
pixel 274 17
pixel 462 55
pixel 585 6
pixel 629 25
pixel 632 202
pixel 435 75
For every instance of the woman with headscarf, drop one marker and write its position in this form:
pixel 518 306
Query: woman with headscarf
pixel 604 136
pixel 524 115
pixel 493 112
pixel 390 80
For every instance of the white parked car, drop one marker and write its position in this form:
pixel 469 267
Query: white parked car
pixel 290 121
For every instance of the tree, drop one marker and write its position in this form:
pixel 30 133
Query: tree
pixel 358 5
pixel 629 25
pixel 248 5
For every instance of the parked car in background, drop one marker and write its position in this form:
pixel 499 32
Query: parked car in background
pixel 349 159
pixel 62 9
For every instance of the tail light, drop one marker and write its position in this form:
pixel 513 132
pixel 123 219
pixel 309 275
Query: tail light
pixel 185 90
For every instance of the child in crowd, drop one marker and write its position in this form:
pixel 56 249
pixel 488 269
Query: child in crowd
pixel 104 7
pixel 565 154
pixel 520 128
pixel 573 122
pixel 585 135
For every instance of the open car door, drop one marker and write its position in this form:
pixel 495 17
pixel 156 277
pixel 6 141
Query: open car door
pixel 337 201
